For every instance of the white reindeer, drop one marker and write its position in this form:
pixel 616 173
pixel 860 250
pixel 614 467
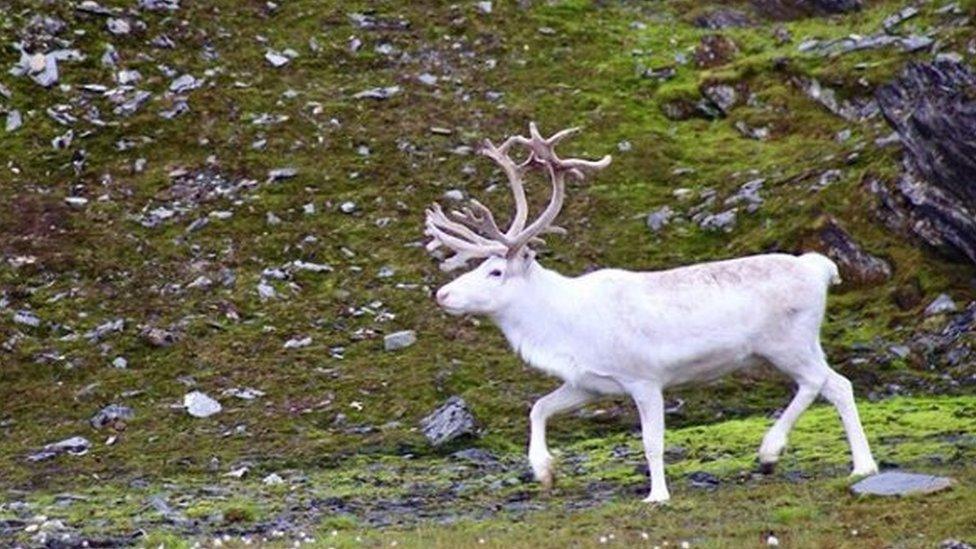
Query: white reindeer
pixel 614 332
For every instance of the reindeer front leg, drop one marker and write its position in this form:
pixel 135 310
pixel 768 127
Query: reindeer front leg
pixel 562 399
pixel 650 404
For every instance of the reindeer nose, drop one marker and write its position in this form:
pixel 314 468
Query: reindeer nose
pixel 442 295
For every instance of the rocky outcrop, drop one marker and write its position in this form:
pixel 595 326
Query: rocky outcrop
pixel 857 267
pixel 723 18
pixel 932 107
pixel 793 9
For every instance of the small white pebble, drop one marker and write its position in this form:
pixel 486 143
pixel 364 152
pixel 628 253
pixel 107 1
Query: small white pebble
pixel 772 540
pixel 645 536
pixel 685 545
pixel 853 532
pixel 335 533
pixel 481 541
pixel 603 539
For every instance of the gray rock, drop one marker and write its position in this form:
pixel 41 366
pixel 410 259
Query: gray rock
pixel 378 93
pixel 953 544
pixel 931 107
pixel 857 266
pixel 184 84
pixel 158 337
pixel 14 120
pixel 748 194
pixel 279 174
pixel 118 26
pixel 703 480
pixel 899 17
pixel 898 483
pixel 454 194
pixel 159 5
pixel 941 304
pixel 99 332
pixel 27 318
pixel 200 405
pixel 660 217
pixel 450 421
pixel 722 96
pixel 277 59
pixel 399 340
pixel 76 446
pixel 111 414
pixel 120 362
pixel 723 221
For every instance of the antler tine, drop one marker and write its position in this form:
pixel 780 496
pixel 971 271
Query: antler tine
pixel 543 154
pixel 465 243
pixel 437 216
pixel 479 217
pixel 545 219
pixel 514 173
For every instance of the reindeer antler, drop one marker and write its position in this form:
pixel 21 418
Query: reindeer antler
pixel 473 232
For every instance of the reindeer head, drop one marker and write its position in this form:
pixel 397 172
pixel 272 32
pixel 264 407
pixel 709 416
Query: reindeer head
pixel 507 256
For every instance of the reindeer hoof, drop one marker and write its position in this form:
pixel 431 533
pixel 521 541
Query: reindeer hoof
pixel 658 499
pixel 767 468
pixel 547 480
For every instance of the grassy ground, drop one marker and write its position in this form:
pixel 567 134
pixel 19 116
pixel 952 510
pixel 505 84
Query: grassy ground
pixel 560 63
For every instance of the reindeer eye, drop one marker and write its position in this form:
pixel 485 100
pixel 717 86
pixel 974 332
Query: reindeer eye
pixel 495 274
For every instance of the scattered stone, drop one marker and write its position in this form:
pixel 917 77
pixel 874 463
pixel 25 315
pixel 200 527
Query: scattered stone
pixel 759 133
pixel 427 79
pixel 378 93
pixel 701 479
pixel 120 363
pixel 113 414
pixel 660 217
pixel 280 174
pixel 14 120
pixel 854 110
pixel 118 26
pixel 899 17
pixel 722 96
pixel 27 318
pixel 748 194
pixel 899 483
pixel 298 342
pixel 953 544
pixel 723 221
pixel 200 405
pixel 274 479
pixel 184 84
pixel 266 291
pixel 158 337
pixel 277 59
pixel 942 304
pixel 76 446
pixel 243 393
pixel 477 456
pixel 449 422
pixel 238 473
pixel 399 340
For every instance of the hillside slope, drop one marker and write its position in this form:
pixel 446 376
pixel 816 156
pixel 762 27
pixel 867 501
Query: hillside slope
pixel 223 196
